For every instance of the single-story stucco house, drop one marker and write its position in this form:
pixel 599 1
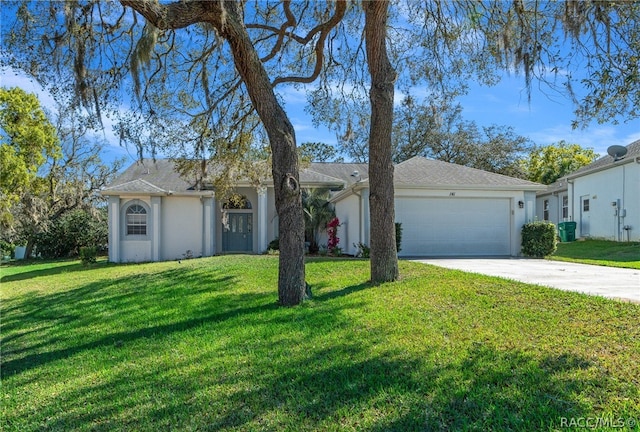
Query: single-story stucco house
pixel 603 198
pixel 445 209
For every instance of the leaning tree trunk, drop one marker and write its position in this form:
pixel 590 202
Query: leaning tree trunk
pixel 286 182
pixel 226 17
pixel 384 257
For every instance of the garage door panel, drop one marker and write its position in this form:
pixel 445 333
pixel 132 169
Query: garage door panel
pixel 454 226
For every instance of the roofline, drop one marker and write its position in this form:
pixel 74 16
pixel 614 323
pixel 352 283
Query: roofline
pixel 207 193
pixel 362 185
pixel 614 164
pixel 474 187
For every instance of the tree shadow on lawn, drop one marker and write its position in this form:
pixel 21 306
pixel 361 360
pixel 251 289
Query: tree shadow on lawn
pixel 490 390
pixel 59 268
pixel 288 377
pixel 333 294
pixel 51 319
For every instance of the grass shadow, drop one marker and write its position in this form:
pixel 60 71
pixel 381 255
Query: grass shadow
pixel 208 349
pixel 491 391
pixel 69 267
pixel 330 295
pixel 145 306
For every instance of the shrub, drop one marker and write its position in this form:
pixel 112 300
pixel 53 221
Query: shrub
pixel 73 230
pixel 7 249
pixel 88 254
pixel 364 251
pixel 539 239
pixel 332 232
pixel 398 236
pixel 274 244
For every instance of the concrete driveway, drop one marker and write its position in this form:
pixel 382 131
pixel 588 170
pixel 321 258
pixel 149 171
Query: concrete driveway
pixel 611 282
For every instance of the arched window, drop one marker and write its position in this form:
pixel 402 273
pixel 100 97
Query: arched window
pixel 136 220
pixel 237 202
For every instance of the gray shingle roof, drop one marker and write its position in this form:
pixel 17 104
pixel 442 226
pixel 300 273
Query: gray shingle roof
pixel 633 150
pixel 420 171
pixel 159 173
pixel 159 176
pixel 342 171
pixel 557 186
pixel 137 185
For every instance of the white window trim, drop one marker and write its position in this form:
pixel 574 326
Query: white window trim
pixel 125 228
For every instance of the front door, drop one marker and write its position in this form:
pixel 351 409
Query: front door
pixel 585 203
pixel 237 235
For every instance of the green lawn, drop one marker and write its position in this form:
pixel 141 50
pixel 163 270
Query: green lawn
pixel 202 346
pixel 600 252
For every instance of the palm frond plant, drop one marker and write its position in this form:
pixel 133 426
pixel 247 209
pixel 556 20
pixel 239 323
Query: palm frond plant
pixel 318 211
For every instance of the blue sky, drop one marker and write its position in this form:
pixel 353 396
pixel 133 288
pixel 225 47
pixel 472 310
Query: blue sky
pixel 545 120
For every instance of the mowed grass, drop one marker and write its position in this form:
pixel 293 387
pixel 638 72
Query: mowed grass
pixel 600 252
pixel 201 345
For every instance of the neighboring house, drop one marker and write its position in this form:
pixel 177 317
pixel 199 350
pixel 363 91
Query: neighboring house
pixel 445 209
pixel 603 198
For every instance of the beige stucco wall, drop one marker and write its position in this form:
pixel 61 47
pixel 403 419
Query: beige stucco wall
pixel 182 227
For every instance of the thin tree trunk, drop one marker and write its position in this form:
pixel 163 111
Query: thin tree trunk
pixel 29 248
pixel 384 257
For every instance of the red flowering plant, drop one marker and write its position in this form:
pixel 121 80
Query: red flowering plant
pixel 332 233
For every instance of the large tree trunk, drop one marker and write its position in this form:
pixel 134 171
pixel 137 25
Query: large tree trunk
pixel 384 257
pixel 226 17
pixel 291 275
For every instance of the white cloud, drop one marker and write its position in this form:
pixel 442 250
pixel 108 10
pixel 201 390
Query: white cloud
pixel 599 138
pixel 12 78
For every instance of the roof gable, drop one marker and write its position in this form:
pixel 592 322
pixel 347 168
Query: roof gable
pixel 137 185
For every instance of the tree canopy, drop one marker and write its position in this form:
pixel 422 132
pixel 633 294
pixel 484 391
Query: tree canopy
pixel 28 139
pixel 65 182
pixel 549 163
pixel 318 152
pixel 437 130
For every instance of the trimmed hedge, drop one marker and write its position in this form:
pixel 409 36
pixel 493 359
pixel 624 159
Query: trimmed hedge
pixel 539 239
pixel 88 254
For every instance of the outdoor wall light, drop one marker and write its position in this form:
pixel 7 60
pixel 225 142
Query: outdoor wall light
pixel 521 204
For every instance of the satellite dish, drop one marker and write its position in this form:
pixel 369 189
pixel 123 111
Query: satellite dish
pixel 617 152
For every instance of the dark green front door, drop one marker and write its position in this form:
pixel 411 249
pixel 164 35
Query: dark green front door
pixel 237 235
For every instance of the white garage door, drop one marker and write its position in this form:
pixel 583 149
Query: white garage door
pixel 454 226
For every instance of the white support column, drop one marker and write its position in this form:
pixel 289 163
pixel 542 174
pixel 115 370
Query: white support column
pixel 208 226
pixel 114 228
pixel 262 219
pixel 156 232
